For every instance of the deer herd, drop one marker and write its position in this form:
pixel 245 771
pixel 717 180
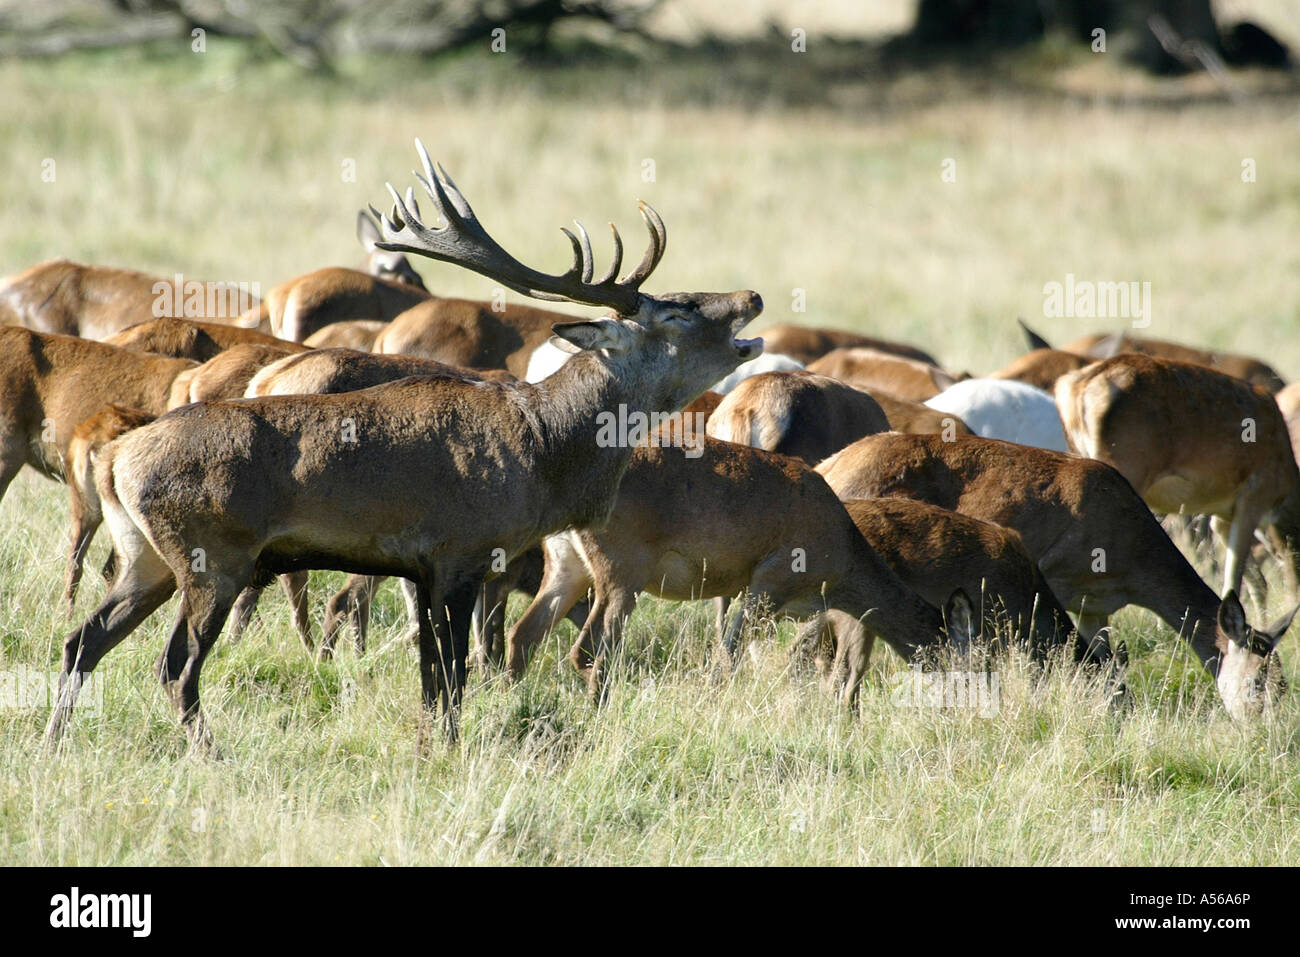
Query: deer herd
pixel 351 420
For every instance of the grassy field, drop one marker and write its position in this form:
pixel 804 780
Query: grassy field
pixel 784 172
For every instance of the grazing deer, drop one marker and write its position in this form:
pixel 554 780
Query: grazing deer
pixel 1095 540
pixel 1188 438
pixel 430 478
pixel 881 372
pixel 796 413
pixel 803 557
pixel 808 344
pixel 60 297
pixel 346 370
pixel 1003 409
pixel 1103 346
pixel 385 287
pixel 186 339
pixel 50 384
pixel 936 552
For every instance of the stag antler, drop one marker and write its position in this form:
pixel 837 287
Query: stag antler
pixel 465 242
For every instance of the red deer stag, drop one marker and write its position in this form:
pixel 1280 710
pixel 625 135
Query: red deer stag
pixel 429 478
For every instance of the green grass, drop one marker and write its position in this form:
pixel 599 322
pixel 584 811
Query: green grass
pixel 227 166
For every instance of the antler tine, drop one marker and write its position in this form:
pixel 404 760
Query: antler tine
pixel 412 204
pixel 401 216
pixel 614 266
pixel 588 261
pixel 579 267
pixel 654 252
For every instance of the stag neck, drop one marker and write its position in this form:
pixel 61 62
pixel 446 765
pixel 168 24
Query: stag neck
pixel 563 410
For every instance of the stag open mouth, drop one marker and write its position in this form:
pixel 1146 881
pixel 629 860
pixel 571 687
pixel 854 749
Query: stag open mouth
pixel 748 348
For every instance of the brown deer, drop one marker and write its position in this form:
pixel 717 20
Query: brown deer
pixel 50 384
pixel 812 416
pixel 1042 367
pixel 796 413
pixel 228 373
pixel 61 297
pixel 330 371
pixel 386 286
pixel 917 418
pixel 803 557
pixel 807 343
pixel 936 552
pixel 187 339
pixel 429 478
pixel 879 371
pixel 1094 539
pixel 1105 345
pixel 470 333
pixel 1188 438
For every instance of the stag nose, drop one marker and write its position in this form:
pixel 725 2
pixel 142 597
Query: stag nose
pixel 749 302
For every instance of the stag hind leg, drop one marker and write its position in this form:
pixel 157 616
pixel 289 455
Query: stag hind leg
pixel 206 600
pixel 145 582
pixel 490 624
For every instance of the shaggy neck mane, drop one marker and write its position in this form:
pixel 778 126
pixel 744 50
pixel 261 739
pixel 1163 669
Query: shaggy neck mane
pixel 562 411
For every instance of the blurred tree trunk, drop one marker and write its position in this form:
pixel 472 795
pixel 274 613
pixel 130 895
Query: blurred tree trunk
pixel 1009 23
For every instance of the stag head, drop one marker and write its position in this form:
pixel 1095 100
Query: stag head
pixel 695 331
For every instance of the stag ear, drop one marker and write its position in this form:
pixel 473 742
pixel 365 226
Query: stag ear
pixel 367 231
pixel 603 333
pixel 1232 618
pixel 568 348
pixel 959 616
